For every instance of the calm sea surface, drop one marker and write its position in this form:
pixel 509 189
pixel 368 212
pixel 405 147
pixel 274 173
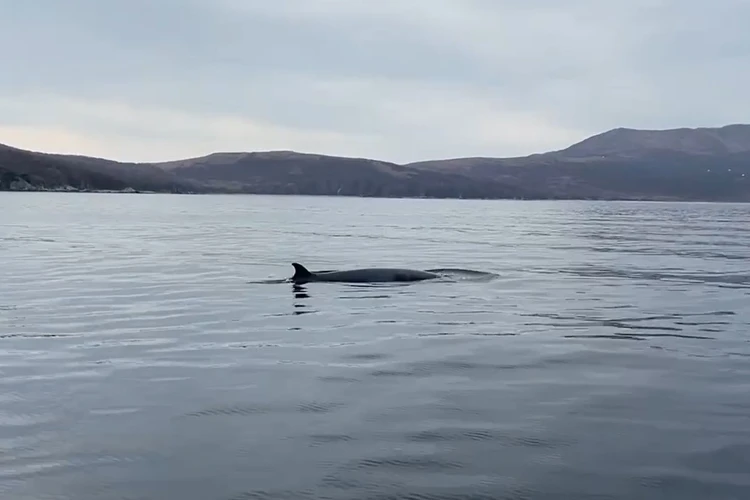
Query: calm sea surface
pixel 142 355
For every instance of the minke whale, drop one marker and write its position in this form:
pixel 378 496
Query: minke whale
pixel 368 275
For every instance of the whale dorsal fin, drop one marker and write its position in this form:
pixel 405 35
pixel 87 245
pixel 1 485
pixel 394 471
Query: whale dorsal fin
pixel 300 271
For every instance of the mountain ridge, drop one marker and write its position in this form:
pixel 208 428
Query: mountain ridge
pixel 701 163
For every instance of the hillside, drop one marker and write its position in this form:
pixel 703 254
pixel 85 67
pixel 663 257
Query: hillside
pixel 288 172
pixel 726 140
pixel 711 164
pixel 22 170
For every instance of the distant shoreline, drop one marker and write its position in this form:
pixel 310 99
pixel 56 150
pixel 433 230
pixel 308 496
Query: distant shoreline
pixel 686 165
pixel 75 190
pixel 133 191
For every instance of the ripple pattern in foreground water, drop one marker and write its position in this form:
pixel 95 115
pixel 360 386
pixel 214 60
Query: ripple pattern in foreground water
pixel 143 357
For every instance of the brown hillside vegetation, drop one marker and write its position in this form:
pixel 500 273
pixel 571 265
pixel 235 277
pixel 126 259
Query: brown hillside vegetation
pixel 711 164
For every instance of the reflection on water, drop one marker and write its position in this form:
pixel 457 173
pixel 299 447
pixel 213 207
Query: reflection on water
pixel 146 353
pixel 300 292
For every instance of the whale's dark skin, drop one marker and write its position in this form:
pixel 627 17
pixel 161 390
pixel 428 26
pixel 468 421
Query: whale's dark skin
pixel 369 275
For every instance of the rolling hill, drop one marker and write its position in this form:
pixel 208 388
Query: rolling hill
pixel 706 164
pixel 22 170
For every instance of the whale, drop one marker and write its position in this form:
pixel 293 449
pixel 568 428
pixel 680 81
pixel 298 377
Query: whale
pixel 367 275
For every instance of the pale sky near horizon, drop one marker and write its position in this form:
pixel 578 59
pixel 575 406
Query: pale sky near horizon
pixel 397 80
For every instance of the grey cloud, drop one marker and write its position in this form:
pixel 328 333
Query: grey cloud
pixel 390 69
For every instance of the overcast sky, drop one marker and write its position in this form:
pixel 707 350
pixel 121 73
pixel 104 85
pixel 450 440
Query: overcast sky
pixel 398 80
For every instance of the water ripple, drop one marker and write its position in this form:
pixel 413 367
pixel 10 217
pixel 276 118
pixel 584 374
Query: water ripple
pixel 150 347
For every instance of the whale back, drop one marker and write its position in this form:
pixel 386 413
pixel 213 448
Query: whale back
pixel 367 275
